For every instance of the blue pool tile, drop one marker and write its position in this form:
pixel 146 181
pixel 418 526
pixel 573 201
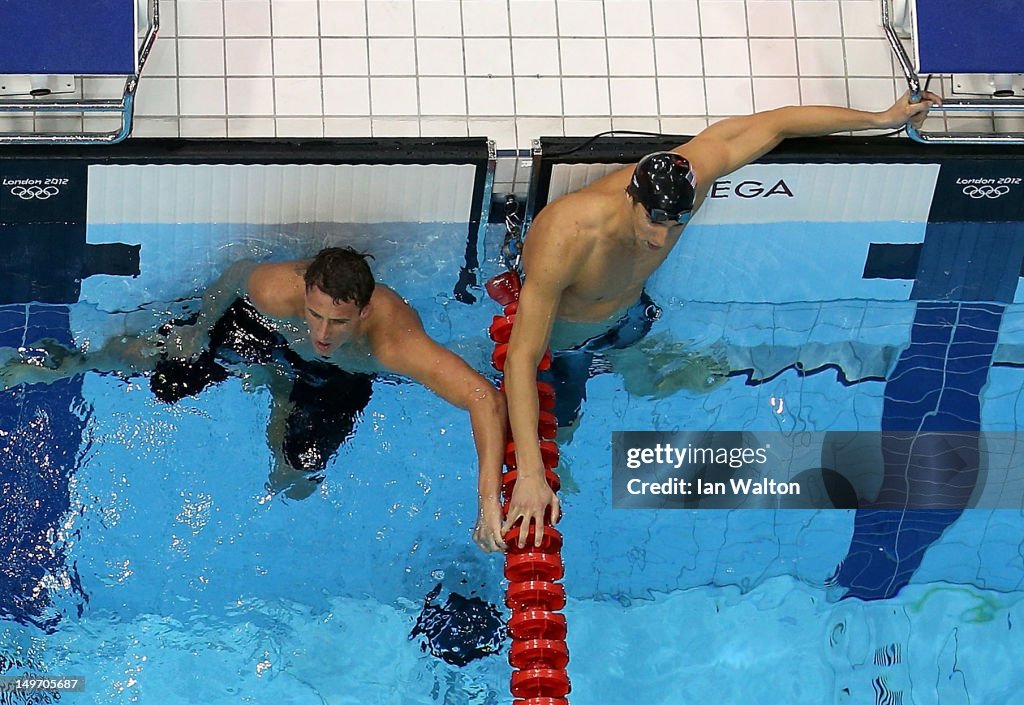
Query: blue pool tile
pixel 970 261
pixel 886 549
pixel 12 325
pixel 49 322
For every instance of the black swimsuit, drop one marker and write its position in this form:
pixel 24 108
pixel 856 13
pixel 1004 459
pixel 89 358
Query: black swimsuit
pixel 326 400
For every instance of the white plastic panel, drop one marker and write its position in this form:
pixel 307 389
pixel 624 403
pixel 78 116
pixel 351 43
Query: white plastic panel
pixel 279 194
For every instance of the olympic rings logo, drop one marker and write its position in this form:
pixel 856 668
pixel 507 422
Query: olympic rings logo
pixel 27 193
pixel 985 191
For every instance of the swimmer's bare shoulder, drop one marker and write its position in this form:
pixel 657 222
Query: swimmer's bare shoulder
pixel 393 329
pixel 569 229
pixel 390 316
pixel 276 288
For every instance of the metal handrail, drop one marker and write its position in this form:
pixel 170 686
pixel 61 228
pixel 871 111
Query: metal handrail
pixel 125 106
pixel 959 105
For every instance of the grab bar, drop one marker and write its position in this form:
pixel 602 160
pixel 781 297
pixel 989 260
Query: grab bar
pixel 123 106
pixel 950 106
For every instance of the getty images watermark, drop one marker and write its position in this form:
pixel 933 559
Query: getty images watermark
pixel 687 470
pixel 674 457
pixel 817 470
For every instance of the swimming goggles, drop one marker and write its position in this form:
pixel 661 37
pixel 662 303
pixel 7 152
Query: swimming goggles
pixel 659 216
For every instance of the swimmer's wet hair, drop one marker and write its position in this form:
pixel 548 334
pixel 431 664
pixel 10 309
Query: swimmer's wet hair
pixel 343 274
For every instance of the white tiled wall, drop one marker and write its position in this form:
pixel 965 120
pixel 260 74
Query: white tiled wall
pixel 512 70
pixel 504 68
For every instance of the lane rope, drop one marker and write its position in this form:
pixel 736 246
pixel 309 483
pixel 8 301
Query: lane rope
pixel 538 654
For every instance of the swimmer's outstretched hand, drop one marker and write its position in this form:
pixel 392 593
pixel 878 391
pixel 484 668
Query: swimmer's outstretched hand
pixel 487 533
pixel 18 371
pixel 43 362
pixel 903 111
pixel 532 498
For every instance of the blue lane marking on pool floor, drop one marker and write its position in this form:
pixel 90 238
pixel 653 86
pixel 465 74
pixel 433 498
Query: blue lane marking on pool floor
pixel 936 386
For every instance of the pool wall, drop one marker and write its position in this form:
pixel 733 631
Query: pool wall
pixel 64 198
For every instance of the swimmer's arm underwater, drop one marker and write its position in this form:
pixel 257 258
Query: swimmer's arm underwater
pixel 28 367
pixel 187 341
pixel 401 345
pixel 121 355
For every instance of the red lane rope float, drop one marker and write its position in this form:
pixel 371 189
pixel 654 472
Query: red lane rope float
pixel 532 565
pixel 538 654
pixel 540 594
pixel 540 682
pixel 546 396
pixel 537 624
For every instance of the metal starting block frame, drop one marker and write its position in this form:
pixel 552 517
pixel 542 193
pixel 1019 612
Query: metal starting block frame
pixel 43 39
pixel 962 37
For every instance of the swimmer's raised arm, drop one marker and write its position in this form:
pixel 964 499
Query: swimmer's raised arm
pixel 730 144
pixel 400 344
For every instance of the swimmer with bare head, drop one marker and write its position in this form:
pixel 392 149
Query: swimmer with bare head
pixel 313 332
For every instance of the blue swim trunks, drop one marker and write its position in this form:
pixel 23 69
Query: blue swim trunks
pixel 571 368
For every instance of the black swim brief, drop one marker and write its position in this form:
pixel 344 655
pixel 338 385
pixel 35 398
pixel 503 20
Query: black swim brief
pixel 631 328
pixel 325 400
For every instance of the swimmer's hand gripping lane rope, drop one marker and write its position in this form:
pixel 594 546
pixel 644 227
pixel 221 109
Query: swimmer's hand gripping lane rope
pixel 538 654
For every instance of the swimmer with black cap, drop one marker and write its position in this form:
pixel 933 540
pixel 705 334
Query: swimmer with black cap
pixel 588 254
pixel 665 186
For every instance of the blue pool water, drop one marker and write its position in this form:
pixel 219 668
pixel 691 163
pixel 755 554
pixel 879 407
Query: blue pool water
pixel 175 577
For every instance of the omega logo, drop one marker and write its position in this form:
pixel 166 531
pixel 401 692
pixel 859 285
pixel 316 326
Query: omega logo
pixel 750 189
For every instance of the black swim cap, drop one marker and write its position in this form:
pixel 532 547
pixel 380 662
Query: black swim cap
pixel 664 181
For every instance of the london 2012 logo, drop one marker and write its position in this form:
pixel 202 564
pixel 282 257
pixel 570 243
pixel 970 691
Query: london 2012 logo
pixel 34 189
pixel 987 188
pixel 27 193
